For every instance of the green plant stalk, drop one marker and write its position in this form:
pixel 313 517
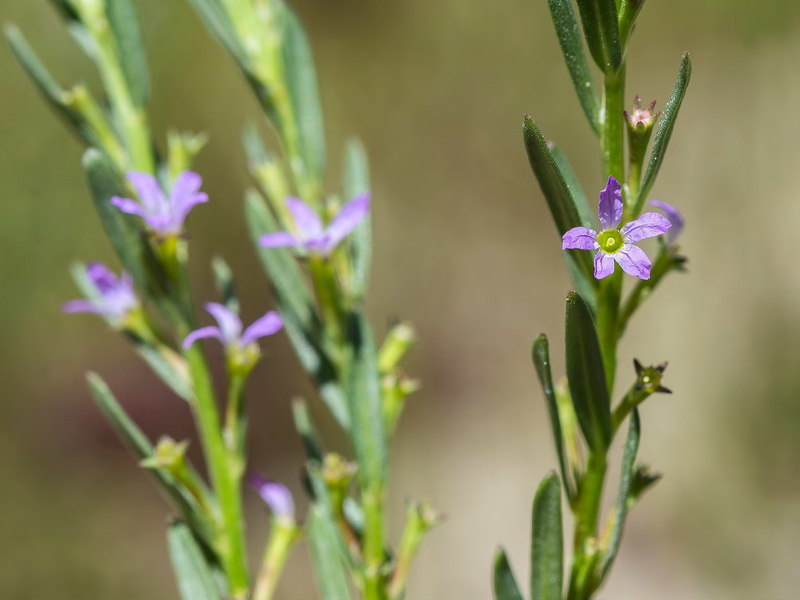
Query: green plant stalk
pixel 326 288
pixel 284 535
pixel 235 417
pixel 131 120
pixel 587 514
pixel 81 99
pixel 663 264
pixel 409 544
pixel 374 581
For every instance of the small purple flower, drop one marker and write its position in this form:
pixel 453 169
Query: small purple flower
pixel 277 496
pixel 115 296
pixel 614 243
pixel 311 233
pixel 674 217
pixel 165 216
pixel 229 329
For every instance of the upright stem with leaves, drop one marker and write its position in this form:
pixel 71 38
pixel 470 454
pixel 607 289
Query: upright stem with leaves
pixel 597 313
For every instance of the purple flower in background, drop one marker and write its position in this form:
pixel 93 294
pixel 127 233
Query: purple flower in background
pixel 311 233
pixel 674 217
pixel 277 496
pixel 164 215
pixel 616 244
pixel 229 328
pixel 115 296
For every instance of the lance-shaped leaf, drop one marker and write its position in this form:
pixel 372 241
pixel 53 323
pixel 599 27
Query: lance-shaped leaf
pixel 216 20
pixel 664 132
pixel 124 22
pixel 586 213
pixel 504 585
pixel 295 305
pixel 570 39
pixel 599 19
pixel 586 375
pixel 366 404
pixel 541 360
pixel 315 449
pixel 325 550
pixel 625 486
pixel 302 82
pixel 194 575
pixel 223 280
pixel 560 201
pixel 141 448
pixel 547 543
pixel 356 182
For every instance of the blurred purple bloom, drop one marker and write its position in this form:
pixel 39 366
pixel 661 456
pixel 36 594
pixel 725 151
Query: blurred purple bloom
pixel 614 243
pixel 674 217
pixel 229 329
pixel 164 215
pixel 311 233
pixel 277 496
pixel 115 295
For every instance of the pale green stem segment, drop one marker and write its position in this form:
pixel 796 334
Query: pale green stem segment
pixel 374 554
pixel 285 533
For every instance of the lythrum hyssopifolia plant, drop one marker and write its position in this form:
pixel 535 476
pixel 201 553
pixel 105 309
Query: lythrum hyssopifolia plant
pixel 601 250
pixel 315 247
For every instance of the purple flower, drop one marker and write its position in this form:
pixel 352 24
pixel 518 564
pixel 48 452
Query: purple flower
pixel 277 496
pixel 311 233
pixel 229 329
pixel 165 216
pixel 115 297
pixel 674 217
pixel 615 244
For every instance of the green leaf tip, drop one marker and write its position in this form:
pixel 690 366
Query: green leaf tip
pixel 504 584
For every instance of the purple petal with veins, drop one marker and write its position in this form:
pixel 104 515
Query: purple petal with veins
pixel 609 209
pixel 229 323
pixel 277 496
pixel 269 324
pixel 278 239
pixel 633 261
pixel 674 216
pixel 308 223
pixel 204 332
pixel 129 206
pixel 149 191
pixel 347 219
pixel 580 238
pixel 648 225
pixel 603 265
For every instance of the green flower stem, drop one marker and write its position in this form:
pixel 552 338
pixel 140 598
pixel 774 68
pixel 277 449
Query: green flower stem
pixel 374 580
pixel 607 317
pixel 415 529
pixel 632 399
pixel 326 288
pixel 587 515
pixel 235 416
pixel 81 100
pixel 284 535
pixel 131 120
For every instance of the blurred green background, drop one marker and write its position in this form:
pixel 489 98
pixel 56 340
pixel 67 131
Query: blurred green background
pixel 465 249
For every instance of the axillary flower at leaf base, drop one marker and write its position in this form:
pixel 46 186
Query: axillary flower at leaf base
pixel 311 234
pixel 115 299
pixel 615 244
pixel 241 348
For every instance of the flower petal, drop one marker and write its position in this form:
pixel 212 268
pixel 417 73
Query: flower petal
pixel 229 323
pixel 186 184
pixel 278 240
pixel 633 261
pixel 347 219
pixel 269 324
pixel 102 277
pixel 149 191
pixel 603 265
pixel 579 238
pixel 648 225
pixel 128 206
pixel 80 306
pixel 203 332
pixel 277 496
pixel 609 209
pixel 674 216
pixel 185 195
pixel 308 223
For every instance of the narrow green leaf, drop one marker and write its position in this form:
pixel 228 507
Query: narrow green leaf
pixel 166 364
pixel 504 585
pixel 560 201
pixel 541 360
pixel 356 181
pixel 547 543
pixel 366 404
pixel 570 39
pixel 315 449
pixel 586 213
pixel 223 280
pixel 216 20
pixel 295 304
pixel 325 551
pixel 599 19
pixel 124 21
pixel 586 375
pixel 194 575
pixel 664 132
pixel 625 483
